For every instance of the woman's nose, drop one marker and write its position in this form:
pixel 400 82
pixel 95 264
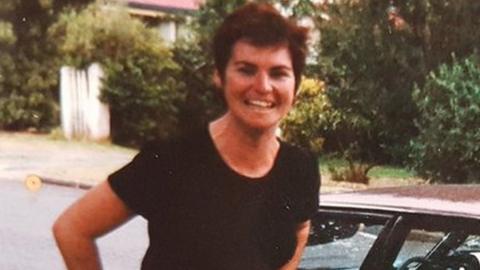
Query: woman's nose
pixel 263 83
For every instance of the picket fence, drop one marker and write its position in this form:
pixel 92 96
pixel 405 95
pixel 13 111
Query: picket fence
pixel 83 115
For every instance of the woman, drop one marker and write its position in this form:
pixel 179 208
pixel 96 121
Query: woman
pixel 231 196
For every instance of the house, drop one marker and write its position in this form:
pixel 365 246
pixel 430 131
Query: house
pixel 167 16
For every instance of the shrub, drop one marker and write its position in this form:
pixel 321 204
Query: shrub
pixel 141 77
pixel 202 101
pixel 448 146
pixel 21 111
pixel 316 124
pixel 311 117
pixel 145 105
pixel 354 173
pixel 28 70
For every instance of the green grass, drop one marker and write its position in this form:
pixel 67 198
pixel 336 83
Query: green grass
pixel 380 176
pixel 381 171
pixel 390 172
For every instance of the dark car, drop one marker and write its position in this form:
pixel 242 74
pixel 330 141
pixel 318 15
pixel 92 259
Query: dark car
pixel 416 227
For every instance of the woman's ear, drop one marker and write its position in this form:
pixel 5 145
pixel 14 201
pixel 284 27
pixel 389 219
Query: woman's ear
pixel 217 81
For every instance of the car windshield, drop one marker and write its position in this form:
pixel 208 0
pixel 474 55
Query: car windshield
pixel 331 236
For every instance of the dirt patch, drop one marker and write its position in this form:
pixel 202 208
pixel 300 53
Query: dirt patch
pixel 329 185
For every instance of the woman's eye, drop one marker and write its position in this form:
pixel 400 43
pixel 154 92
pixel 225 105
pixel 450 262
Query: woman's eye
pixel 247 71
pixel 279 74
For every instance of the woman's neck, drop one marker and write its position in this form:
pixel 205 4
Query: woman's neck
pixel 247 151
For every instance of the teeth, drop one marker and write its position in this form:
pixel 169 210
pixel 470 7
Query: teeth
pixel 260 103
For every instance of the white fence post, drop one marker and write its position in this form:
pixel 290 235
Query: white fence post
pixel 83 115
pixel 81 129
pixel 98 113
pixel 66 100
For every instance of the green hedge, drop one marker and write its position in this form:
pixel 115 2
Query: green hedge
pixel 28 70
pixel 141 77
pixel 448 146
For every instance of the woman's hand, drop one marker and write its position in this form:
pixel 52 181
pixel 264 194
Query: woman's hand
pixel 96 213
pixel 302 238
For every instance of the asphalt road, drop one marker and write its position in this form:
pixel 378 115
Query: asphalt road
pixel 26 241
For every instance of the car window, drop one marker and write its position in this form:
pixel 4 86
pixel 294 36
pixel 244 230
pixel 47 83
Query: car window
pixel 417 244
pixel 472 244
pixel 433 249
pixel 340 242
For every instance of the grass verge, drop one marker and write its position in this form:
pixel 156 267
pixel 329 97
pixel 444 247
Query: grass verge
pixel 380 176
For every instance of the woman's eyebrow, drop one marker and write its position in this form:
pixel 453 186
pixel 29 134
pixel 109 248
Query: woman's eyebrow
pixel 243 63
pixel 282 67
pixel 250 64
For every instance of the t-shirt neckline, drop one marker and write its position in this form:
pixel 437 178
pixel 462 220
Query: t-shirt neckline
pixel 261 179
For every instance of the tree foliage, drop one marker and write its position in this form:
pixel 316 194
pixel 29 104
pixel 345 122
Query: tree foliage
pixel 448 146
pixel 314 120
pixel 369 70
pixel 304 125
pixel 140 83
pixel 370 61
pixel 28 66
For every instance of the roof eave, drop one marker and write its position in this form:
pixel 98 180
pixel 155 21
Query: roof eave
pixel 160 8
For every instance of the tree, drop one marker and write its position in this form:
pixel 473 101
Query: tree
pixel 370 59
pixel 368 71
pixel 28 68
pixel 141 77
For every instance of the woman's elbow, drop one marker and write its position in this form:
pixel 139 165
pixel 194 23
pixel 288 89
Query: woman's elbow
pixel 66 230
pixel 62 230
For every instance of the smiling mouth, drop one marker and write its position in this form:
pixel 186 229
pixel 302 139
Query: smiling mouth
pixel 260 104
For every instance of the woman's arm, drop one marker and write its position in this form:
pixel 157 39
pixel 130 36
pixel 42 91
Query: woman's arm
pixel 302 237
pixel 96 213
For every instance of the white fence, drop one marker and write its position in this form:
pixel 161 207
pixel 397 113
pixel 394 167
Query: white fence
pixel 83 116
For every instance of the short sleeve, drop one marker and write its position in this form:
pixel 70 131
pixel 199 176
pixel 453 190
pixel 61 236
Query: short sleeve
pixel 134 182
pixel 307 188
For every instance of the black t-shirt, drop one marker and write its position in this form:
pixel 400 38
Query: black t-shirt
pixel 203 215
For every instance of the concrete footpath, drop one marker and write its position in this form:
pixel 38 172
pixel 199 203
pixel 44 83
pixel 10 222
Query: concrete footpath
pixel 57 161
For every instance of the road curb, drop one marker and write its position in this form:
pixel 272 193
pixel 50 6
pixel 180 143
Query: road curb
pixel 64 183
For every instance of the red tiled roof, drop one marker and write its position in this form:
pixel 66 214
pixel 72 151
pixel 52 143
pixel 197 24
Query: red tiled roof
pixel 169 4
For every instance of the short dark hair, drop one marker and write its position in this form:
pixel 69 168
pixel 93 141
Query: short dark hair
pixel 261 25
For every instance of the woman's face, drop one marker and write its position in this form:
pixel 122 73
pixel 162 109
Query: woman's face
pixel 259 85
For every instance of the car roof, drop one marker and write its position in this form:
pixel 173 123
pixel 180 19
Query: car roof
pixel 447 200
